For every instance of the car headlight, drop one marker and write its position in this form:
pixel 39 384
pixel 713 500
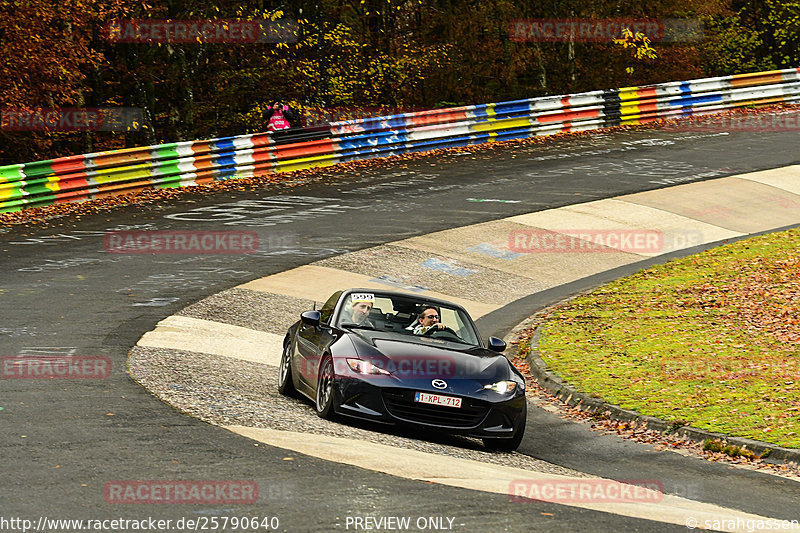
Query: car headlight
pixel 365 367
pixel 502 387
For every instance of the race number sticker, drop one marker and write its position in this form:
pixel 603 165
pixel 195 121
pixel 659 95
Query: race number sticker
pixel 362 297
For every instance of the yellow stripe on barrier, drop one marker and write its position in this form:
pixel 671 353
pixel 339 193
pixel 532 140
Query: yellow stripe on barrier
pixel 629 93
pixel 53 183
pixel 122 174
pixel 8 193
pixel 629 110
pixel 306 163
pixel 502 124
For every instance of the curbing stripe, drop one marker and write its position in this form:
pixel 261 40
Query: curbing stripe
pixel 475 475
pixel 215 338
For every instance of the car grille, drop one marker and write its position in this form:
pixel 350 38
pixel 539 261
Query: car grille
pixel 400 404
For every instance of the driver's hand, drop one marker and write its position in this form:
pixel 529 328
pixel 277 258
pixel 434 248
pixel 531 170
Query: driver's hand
pixel 440 326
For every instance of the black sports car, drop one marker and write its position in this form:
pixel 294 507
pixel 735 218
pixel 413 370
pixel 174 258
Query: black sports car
pixel 403 359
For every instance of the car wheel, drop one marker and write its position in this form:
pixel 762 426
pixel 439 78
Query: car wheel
pixel 324 403
pixel 285 383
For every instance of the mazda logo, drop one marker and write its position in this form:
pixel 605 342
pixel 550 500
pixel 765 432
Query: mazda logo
pixel 439 383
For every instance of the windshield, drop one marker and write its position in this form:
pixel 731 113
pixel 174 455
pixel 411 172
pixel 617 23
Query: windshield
pixel 406 315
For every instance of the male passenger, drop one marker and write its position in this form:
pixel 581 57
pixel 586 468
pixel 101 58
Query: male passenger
pixel 362 304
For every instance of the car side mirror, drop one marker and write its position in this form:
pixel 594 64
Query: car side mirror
pixel 496 345
pixel 311 318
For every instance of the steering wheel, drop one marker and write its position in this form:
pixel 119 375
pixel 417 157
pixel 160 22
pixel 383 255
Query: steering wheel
pixel 431 331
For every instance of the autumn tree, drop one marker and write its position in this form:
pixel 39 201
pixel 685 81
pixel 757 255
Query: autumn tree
pixel 48 54
pixel 352 53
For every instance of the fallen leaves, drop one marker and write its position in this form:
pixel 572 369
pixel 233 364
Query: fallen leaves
pixel 712 339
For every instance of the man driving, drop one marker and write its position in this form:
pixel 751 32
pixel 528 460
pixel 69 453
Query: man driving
pixel 428 319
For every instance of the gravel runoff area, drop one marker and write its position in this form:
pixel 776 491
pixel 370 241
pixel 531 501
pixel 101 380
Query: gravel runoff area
pixel 227 391
pixel 261 311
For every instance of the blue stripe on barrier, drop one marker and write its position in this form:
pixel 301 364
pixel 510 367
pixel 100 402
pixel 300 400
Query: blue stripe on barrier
pixel 372 154
pixel 693 100
pixel 369 124
pixel 516 108
pixel 224 173
pixel 225 160
pixel 225 143
pixel 357 152
pixel 367 141
pixel 516 134
pixel 480 112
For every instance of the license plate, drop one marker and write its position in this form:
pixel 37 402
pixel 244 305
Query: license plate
pixel 436 399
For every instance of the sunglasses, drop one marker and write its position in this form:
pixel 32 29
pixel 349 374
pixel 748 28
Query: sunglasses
pixel 430 316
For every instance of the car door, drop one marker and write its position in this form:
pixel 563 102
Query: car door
pixel 312 342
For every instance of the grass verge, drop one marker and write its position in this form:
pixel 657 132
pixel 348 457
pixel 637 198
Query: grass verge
pixel 711 340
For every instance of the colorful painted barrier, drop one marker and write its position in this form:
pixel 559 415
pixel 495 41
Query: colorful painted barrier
pixel 87 176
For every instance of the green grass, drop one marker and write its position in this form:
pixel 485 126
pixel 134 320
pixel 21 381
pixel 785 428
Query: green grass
pixel 710 339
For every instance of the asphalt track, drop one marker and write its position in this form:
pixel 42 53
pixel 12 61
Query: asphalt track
pixel 62 293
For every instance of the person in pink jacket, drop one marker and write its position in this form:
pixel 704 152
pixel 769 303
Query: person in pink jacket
pixel 278 117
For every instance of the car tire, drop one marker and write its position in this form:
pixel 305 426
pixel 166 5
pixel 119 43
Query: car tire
pixel 285 383
pixel 325 386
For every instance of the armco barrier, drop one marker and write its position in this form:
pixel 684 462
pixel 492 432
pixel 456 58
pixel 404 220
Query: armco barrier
pixel 96 175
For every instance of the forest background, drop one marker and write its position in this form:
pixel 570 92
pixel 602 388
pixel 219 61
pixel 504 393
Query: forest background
pixel 347 55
